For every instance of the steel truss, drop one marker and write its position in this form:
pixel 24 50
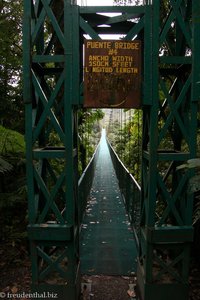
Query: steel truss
pixel 50 93
pixel 169 139
pixel 53 91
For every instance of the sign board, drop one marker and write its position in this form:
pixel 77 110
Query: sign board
pixel 112 74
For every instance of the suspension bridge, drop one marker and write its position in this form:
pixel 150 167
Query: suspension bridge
pixel 108 245
pixel 69 64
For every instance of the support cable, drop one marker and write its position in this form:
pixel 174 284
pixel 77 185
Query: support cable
pixel 121 133
pixel 138 141
pixel 129 144
pixel 88 138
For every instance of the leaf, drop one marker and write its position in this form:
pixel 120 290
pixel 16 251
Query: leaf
pixel 195 183
pixel 183 166
pixel 131 293
pixel 14 289
pixel 194 162
pixel 5 166
pixel 11 141
pixel 191 163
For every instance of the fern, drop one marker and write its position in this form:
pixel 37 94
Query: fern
pixel 196 216
pixel 194 184
pixel 5 166
pixel 13 204
pixel 11 142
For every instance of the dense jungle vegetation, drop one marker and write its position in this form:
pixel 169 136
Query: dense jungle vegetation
pixel 125 138
pixel 13 196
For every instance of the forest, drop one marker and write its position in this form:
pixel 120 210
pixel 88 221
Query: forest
pixel 14 246
pixel 125 138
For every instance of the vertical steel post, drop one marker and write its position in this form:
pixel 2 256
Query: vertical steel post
pixel 51 97
pixel 171 92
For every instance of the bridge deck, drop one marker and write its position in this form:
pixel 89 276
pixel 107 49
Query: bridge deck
pixel 107 242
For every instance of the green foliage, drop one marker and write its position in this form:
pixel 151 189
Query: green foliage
pixel 11 142
pixel 11 102
pixel 5 166
pixel 196 215
pixel 194 184
pixel 89 132
pixel 13 205
pixel 126 139
pixel 13 202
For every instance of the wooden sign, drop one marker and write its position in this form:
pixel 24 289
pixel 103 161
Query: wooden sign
pixel 112 74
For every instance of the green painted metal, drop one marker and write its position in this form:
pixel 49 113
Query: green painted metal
pixel 51 135
pixel 131 192
pixel 85 183
pixel 136 11
pixel 107 241
pixel 53 91
pixel 170 120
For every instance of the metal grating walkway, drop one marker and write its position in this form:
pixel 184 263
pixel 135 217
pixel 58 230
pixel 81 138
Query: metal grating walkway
pixel 107 242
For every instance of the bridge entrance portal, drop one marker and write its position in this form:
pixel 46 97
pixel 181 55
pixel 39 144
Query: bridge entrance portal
pixel 54 35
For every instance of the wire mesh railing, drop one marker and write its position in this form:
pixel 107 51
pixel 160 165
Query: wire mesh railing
pixel 85 183
pixel 130 189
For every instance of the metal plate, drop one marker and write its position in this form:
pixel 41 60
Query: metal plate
pixel 112 74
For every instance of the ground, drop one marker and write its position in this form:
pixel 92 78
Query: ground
pixel 15 274
pixel 16 278
pixel 109 287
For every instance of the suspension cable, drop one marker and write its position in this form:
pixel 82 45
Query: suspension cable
pixel 120 111
pixel 122 133
pixel 138 142
pixel 129 136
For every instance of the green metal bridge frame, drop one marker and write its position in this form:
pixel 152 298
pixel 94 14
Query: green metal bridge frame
pixel 53 93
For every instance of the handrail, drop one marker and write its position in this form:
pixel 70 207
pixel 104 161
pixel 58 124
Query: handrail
pixel 130 189
pixel 85 183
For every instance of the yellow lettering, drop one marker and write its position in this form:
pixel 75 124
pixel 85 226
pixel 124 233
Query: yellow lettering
pixel 127 70
pixel 124 64
pixel 102 69
pixel 98 45
pixel 122 58
pixel 127 45
pixel 98 63
pixel 135 70
pixel 99 57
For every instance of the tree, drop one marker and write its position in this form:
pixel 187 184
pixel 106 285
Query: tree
pixel 126 138
pixel 13 200
pixel 89 134
pixel 11 102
